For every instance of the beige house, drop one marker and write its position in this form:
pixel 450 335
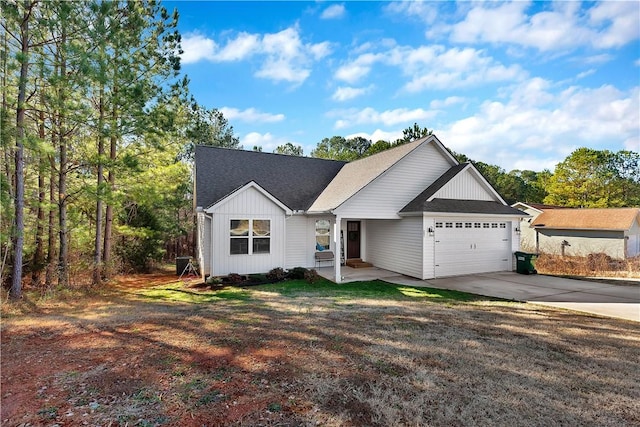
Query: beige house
pixel 580 232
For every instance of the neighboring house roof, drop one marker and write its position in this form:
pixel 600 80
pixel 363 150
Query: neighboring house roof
pixel 354 176
pixel 469 206
pixel 295 181
pixel 620 219
pixel 536 206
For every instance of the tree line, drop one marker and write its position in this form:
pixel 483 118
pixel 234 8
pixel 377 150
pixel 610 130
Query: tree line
pixel 587 178
pixel 97 130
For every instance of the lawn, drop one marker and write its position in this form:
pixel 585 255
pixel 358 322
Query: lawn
pixel 154 351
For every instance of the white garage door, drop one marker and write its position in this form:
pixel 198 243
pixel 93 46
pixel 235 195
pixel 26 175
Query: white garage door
pixel 465 246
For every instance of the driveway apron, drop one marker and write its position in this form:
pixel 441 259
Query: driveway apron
pixel 621 301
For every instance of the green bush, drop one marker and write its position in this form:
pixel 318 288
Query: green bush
pixel 297 273
pixel 276 274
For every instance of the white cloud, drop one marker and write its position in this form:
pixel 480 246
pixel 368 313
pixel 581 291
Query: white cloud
pixel 447 102
pixel 433 67
pixel 243 46
pixel 196 48
pixel 250 115
pixel 267 141
pixel 334 11
pixel 378 135
pixel 368 115
pixel 345 93
pixel 425 11
pixel 537 119
pixel 283 55
pixel 560 26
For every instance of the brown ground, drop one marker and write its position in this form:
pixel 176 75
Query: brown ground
pixel 263 358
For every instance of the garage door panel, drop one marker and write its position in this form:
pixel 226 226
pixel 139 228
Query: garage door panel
pixel 466 246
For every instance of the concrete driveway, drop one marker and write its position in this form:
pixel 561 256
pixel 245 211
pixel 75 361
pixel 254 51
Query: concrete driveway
pixel 604 299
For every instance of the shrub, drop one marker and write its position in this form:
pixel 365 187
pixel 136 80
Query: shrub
pixel 214 280
pixel 234 278
pixel 311 276
pixel 276 274
pixel 297 273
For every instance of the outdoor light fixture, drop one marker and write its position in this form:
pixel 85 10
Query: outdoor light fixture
pixel 517 230
pixel 430 231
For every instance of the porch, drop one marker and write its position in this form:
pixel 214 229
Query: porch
pixel 350 274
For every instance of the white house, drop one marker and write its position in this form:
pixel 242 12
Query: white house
pixel 412 209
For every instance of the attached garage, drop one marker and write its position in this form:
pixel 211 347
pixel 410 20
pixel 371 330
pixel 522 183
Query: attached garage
pixel 466 245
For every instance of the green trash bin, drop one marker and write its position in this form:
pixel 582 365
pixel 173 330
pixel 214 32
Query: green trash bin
pixel 525 263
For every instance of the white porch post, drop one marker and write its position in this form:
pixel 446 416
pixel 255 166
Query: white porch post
pixel 337 248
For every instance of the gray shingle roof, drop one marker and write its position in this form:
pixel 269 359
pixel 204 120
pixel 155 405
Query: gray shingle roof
pixel 468 206
pixel 295 181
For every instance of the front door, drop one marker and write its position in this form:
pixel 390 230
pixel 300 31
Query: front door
pixel 353 239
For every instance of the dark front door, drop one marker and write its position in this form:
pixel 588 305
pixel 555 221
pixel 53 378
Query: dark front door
pixel 353 239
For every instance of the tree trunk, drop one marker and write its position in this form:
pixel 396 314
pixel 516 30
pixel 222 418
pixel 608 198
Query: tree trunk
pixel 51 238
pixel 38 254
pixel 108 226
pixel 97 255
pixel 18 242
pixel 63 255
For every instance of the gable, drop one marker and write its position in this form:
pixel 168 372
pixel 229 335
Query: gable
pixel 250 198
pixel 294 181
pixel 359 179
pixel 461 183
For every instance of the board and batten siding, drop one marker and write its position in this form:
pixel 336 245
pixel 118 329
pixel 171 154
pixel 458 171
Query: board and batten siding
pixel 582 242
pixel 248 203
pixel 386 195
pixel 204 243
pixel 298 241
pixel 396 245
pixel 464 186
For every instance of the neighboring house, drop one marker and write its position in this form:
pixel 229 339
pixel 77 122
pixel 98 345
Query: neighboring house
pixel 527 233
pixel 579 232
pixel 412 209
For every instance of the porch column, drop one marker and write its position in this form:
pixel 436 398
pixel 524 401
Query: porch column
pixel 337 248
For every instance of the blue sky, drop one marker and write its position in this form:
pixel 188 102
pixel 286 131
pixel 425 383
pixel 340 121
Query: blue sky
pixel 517 84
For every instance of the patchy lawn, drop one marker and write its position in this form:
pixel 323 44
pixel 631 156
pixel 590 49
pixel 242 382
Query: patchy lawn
pixel 155 352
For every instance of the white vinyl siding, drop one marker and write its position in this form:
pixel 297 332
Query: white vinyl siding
pixel 464 186
pixel 396 245
pixel 249 204
pixel 386 195
pixel 297 242
pixel 204 243
pixel 481 245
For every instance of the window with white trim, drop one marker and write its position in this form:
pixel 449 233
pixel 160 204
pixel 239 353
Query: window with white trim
pixel 323 234
pixel 249 236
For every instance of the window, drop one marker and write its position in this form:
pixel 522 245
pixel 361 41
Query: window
pixel 438 225
pixel 485 225
pixel 468 225
pixel 448 225
pixel 477 225
pixel 323 232
pixel 494 225
pixel 503 225
pixel 248 234
pixel 458 225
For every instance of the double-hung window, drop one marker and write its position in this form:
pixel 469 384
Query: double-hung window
pixel 250 236
pixel 323 232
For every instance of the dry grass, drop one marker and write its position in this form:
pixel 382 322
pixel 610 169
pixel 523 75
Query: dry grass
pixel 594 265
pixel 276 355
